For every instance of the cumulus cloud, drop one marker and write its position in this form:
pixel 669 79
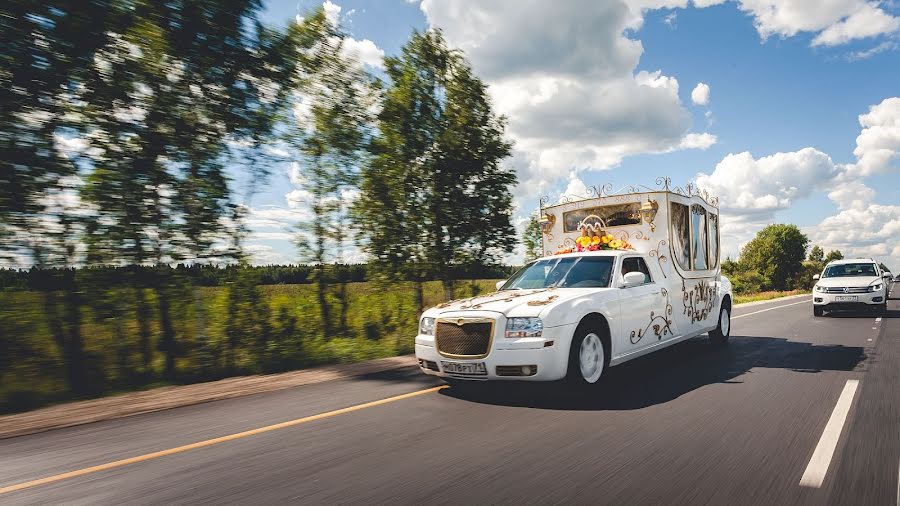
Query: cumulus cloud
pixel 566 78
pixel 834 21
pixel 365 51
pixel 878 145
pixel 700 94
pixel 764 185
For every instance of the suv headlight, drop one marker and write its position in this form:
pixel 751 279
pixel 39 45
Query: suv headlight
pixel 820 288
pixel 426 326
pixel 524 327
pixel 875 288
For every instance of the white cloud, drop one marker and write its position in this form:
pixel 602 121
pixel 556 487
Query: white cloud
pixel 768 184
pixel 702 141
pixel 878 145
pixel 332 12
pixel 863 231
pixel 707 3
pixel 888 45
pixel 834 21
pixel 365 51
pixel 566 78
pixel 868 21
pixel 700 94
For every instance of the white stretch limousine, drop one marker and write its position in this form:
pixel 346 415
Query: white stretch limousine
pixel 622 276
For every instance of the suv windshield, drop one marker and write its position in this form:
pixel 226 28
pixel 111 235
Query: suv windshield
pixel 566 272
pixel 842 270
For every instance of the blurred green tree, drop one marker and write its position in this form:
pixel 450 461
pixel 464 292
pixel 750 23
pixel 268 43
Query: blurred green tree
pixel 532 238
pixel 435 194
pixel 328 135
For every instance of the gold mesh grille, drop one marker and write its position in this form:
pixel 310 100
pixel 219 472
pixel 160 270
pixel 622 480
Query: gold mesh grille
pixel 471 340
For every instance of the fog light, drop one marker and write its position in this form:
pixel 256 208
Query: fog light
pixel 876 299
pixel 548 344
pixel 526 371
pixel 818 299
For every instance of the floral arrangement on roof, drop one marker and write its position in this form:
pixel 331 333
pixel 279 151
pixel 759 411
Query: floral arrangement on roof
pixel 599 242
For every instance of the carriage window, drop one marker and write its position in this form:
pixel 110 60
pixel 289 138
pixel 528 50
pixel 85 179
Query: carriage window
pixel 681 235
pixel 613 216
pixel 698 237
pixel 713 240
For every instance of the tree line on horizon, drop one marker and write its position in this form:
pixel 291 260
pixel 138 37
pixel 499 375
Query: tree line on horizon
pixel 132 133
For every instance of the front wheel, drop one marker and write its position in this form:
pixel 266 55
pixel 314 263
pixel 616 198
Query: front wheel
pixel 722 332
pixel 587 358
pixel 882 309
pixel 818 311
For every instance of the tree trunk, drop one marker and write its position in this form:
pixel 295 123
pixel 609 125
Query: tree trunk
pixel 345 305
pixel 57 324
pixel 167 343
pixel 324 308
pixel 419 297
pixel 74 347
pixel 142 311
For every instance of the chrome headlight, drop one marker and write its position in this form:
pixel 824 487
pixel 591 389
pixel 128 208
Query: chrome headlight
pixel 524 327
pixel 820 288
pixel 875 288
pixel 426 326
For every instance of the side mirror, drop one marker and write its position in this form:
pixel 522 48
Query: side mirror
pixel 633 279
pixel 815 277
pixel 500 283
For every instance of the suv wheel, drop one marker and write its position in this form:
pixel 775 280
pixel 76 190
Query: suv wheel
pixel 818 311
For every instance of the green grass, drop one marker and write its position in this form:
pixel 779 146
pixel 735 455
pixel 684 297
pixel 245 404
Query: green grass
pixel 754 297
pixel 381 322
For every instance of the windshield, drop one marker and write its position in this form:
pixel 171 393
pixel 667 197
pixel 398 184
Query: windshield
pixel 842 270
pixel 566 272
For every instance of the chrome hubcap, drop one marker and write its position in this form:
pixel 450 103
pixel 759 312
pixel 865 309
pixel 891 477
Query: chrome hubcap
pixel 591 358
pixel 725 322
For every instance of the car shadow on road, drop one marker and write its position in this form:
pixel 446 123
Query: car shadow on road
pixel 668 374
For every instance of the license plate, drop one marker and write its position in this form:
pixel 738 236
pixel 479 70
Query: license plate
pixel 470 368
pixel 845 298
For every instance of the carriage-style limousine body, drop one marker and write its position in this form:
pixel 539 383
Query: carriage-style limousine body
pixel 621 275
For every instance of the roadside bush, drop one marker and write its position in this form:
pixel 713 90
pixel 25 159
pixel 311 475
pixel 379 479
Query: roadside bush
pixel 744 282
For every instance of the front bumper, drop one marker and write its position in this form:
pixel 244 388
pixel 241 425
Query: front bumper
pixel 837 301
pixel 547 357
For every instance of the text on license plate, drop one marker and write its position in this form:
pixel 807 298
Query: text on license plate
pixel 471 368
pixel 845 298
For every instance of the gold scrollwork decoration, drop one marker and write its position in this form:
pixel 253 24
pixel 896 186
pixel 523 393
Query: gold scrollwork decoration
pixel 660 323
pixel 699 301
pixel 660 256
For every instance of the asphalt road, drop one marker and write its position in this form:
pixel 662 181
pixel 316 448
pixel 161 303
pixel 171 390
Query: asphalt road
pixel 692 424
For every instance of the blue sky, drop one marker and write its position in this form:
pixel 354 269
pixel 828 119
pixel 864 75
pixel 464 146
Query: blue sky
pixel 601 92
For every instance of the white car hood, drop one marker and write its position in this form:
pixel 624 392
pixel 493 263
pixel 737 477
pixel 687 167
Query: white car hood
pixel 851 281
pixel 508 300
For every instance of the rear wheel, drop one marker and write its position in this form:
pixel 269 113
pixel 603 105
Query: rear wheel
pixel 818 311
pixel 588 357
pixel 722 332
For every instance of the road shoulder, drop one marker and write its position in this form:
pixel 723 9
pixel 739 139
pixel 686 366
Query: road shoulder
pixel 158 399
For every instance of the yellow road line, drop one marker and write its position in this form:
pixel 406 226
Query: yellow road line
pixel 210 442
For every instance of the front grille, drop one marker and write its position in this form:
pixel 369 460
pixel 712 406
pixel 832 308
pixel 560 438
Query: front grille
pixel 840 289
pixel 463 339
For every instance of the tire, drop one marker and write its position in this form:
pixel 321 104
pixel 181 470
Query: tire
pixel 882 309
pixel 818 311
pixel 722 332
pixel 588 356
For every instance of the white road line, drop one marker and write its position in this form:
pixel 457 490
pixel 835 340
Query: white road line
pixel 770 309
pixel 877 319
pixel 821 457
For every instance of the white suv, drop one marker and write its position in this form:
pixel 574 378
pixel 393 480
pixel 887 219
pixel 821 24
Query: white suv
pixel 850 284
